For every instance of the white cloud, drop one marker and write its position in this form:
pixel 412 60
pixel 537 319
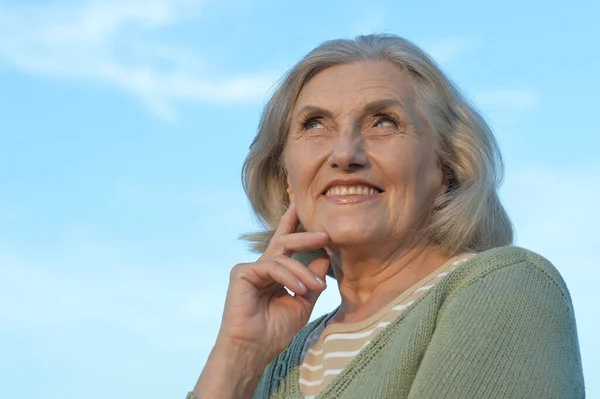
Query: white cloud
pixel 449 48
pixel 520 99
pixel 555 214
pixel 110 42
pixel 555 209
pixel 104 320
pixel 158 307
pixel 371 20
pixel 491 100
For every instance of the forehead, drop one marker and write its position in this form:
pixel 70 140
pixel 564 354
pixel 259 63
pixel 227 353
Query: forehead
pixel 350 85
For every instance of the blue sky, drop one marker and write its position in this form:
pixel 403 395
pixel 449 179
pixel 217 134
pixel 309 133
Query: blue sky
pixel 123 127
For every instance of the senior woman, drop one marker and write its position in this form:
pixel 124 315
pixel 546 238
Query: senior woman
pixel 369 165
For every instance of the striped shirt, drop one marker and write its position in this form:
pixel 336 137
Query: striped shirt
pixel 332 346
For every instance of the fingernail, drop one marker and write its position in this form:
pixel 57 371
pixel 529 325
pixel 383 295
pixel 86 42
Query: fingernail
pixel 321 234
pixel 320 280
pixel 301 285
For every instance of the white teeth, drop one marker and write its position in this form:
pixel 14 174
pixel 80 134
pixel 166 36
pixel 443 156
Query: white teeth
pixel 350 190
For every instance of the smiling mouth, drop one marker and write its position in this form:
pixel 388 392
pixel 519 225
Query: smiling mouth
pixel 353 190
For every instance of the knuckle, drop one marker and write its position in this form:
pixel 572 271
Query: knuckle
pixel 275 250
pixel 271 263
pixel 238 270
pixel 279 259
pixel 276 241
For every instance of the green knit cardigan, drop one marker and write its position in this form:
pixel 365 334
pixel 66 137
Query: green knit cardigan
pixel 501 325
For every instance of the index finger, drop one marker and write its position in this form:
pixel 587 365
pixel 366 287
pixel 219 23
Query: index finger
pixel 289 222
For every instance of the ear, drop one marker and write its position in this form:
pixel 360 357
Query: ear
pixel 447 179
pixel 444 186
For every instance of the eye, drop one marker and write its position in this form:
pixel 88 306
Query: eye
pixel 385 121
pixel 312 123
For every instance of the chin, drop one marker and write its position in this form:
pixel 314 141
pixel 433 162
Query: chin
pixel 348 235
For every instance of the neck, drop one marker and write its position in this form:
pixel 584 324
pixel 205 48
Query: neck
pixel 369 281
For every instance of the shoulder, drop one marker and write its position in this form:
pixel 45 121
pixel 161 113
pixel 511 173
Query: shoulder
pixel 511 267
pixel 503 319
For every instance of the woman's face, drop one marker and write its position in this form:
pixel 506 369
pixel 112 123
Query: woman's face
pixel 360 158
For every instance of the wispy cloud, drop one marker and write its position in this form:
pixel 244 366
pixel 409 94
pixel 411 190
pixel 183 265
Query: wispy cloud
pixel 492 100
pixel 111 42
pixel 370 20
pixel 520 99
pixel 555 214
pixel 450 48
pixel 555 208
pixel 157 307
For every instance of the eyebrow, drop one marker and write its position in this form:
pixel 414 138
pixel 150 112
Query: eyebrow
pixel 381 105
pixel 372 107
pixel 314 110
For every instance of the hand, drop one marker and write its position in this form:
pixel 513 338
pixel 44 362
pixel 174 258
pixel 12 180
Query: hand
pixel 260 314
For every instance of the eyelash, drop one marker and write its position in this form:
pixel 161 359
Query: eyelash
pixel 308 120
pixel 386 118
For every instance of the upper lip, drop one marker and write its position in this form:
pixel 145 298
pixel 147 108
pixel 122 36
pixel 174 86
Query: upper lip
pixel 350 182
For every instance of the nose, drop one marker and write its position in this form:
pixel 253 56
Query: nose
pixel 348 152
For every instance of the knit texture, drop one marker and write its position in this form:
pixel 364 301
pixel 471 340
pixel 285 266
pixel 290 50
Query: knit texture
pixel 330 348
pixel 501 325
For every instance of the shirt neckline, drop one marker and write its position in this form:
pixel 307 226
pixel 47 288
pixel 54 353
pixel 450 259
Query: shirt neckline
pixel 294 386
pixel 359 325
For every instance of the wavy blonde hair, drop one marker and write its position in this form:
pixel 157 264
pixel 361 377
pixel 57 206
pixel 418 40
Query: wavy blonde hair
pixel 469 217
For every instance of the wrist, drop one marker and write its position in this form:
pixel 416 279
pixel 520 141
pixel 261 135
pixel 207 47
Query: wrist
pixel 237 350
pixel 232 370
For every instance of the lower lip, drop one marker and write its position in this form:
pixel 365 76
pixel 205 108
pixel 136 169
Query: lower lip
pixel 351 199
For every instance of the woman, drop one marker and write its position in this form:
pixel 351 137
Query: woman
pixel 369 164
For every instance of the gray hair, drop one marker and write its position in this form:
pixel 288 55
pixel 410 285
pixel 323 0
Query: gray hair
pixel 468 217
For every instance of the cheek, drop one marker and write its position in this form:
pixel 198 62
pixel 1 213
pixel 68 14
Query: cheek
pixel 399 165
pixel 304 204
pixel 294 178
pixel 297 179
pixel 299 185
pixel 302 163
pixel 412 171
pixel 300 178
pixel 430 177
